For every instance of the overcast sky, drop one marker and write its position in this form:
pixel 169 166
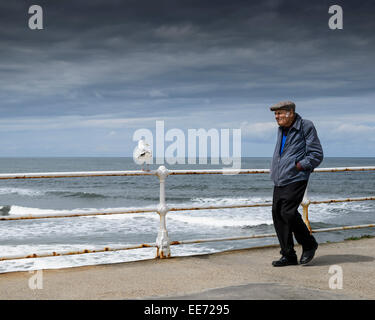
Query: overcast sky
pixel 101 69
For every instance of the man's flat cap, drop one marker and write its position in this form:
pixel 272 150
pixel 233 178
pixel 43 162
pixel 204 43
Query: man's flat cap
pixel 284 105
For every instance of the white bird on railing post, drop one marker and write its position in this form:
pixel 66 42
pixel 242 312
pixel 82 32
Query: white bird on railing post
pixel 142 154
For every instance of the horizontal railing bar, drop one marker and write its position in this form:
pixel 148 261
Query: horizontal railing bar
pixel 172 209
pixel 83 251
pixel 267 235
pixel 40 175
pixel 343 169
pixel 213 207
pixel 179 242
pixel 256 171
pixel 77 214
pixel 344 228
pixel 342 200
pixel 219 171
pixel 223 239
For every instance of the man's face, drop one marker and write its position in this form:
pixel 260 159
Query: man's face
pixel 284 118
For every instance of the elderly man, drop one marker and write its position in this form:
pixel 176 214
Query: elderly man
pixel 298 151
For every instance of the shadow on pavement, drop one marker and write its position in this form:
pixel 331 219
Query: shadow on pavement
pixel 327 260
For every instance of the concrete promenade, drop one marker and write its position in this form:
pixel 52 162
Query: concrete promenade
pixel 243 274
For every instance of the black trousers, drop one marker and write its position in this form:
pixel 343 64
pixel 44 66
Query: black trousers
pixel 287 220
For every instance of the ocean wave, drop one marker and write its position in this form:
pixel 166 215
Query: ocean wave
pixel 231 201
pixel 62 193
pixel 231 217
pixel 29 211
pixel 21 192
pixel 219 221
pixel 324 212
pixel 78 194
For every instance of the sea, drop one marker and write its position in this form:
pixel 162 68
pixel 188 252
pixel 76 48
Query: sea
pixel 93 194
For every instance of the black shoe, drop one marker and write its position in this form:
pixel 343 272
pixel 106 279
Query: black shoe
pixel 308 255
pixel 285 261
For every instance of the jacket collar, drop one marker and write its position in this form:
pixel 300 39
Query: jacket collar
pixel 297 123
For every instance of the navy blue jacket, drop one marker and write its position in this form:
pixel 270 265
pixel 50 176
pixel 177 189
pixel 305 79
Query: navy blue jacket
pixel 302 145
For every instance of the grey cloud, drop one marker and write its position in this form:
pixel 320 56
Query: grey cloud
pixel 190 59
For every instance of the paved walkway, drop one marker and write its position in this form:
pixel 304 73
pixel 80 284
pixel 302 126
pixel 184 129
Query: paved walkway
pixel 242 274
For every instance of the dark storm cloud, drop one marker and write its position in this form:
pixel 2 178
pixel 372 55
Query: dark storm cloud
pixel 95 55
pixel 107 65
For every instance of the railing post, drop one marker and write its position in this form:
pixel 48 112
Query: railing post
pixel 305 205
pixel 162 241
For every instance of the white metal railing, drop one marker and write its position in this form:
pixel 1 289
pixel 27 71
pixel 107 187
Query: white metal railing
pixel 163 242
